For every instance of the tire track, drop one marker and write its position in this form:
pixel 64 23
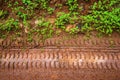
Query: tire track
pixel 61 41
pixel 59 59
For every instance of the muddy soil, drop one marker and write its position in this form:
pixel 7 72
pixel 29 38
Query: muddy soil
pixel 63 63
pixel 62 58
pixel 63 40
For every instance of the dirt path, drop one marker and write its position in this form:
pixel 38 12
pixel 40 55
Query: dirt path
pixel 63 59
pixel 67 63
pixel 63 41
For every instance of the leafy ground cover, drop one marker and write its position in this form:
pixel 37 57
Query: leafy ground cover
pixel 46 18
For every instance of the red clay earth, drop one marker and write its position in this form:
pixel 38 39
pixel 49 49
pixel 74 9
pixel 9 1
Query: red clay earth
pixel 63 59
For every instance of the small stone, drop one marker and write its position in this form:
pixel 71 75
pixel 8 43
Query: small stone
pixel 26 30
pixel 21 25
pixel 36 22
pixel 69 27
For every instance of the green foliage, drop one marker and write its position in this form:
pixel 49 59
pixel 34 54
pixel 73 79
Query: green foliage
pixel 73 5
pixel 86 27
pixel 43 28
pixel 65 18
pixel 22 15
pixel 43 3
pixel 74 30
pixel 86 0
pixel 43 23
pixel 50 10
pixel 62 19
pixel 59 6
pixel 27 2
pixel 24 10
pixel 105 17
pixel 39 4
pixel 3 14
pixel 9 25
